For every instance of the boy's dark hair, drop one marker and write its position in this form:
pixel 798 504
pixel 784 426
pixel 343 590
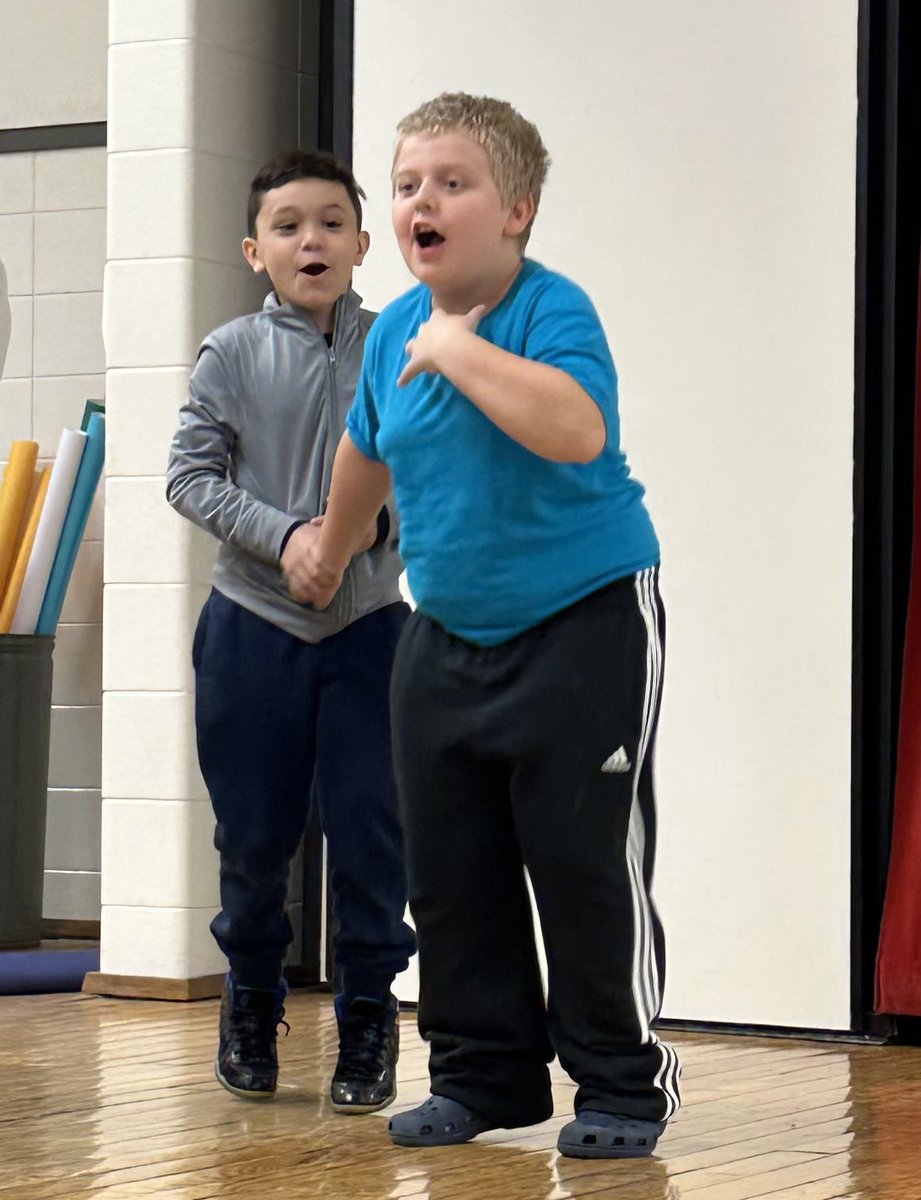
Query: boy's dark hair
pixel 300 164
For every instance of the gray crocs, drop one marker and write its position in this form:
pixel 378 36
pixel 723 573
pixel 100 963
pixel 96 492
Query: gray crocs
pixel 604 1135
pixel 437 1122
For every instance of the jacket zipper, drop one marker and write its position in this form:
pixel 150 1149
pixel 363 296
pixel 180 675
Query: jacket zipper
pixel 347 590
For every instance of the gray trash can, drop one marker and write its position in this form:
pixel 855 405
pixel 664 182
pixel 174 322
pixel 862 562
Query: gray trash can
pixel 25 727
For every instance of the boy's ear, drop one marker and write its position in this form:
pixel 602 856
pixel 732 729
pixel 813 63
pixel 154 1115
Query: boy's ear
pixel 251 254
pixel 520 216
pixel 364 243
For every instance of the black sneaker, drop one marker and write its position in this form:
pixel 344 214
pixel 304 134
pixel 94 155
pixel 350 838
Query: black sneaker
pixel 247 1063
pixel 369 1046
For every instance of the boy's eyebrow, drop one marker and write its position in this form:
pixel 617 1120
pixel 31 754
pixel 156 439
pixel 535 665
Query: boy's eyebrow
pixel 291 210
pixel 444 168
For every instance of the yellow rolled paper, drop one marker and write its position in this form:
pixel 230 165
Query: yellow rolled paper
pixel 18 573
pixel 14 496
pixel 24 523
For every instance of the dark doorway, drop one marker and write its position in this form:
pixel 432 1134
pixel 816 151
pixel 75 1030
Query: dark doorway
pixel 327 33
pixel 336 30
pixel 888 224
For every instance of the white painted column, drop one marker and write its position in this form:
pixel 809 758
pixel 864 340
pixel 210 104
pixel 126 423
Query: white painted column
pixel 200 94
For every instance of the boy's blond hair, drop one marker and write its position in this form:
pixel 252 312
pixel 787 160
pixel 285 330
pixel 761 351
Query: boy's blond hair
pixel 518 158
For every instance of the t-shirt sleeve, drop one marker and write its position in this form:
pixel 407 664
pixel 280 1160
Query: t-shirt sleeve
pixel 363 422
pixel 565 331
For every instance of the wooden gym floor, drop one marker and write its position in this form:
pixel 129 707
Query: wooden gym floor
pixel 115 1099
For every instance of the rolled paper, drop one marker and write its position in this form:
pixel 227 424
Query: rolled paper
pixel 48 534
pixel 14 496
pixel 26 514
pixel 89 408
pixel 78 512
pixel 18 573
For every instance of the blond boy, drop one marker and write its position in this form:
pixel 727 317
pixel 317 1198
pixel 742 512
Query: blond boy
pixel 526 686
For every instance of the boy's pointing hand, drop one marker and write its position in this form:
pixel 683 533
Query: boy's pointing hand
pixel 435 336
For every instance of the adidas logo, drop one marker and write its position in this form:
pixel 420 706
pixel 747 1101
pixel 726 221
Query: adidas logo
pixel 618 763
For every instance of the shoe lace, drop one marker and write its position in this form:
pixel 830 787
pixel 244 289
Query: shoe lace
pixel 254 1031
pixel 362 1047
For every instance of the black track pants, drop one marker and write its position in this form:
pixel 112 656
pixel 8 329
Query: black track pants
pixel 537 754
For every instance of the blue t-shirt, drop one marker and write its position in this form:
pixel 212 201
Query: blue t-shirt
pixel 494 537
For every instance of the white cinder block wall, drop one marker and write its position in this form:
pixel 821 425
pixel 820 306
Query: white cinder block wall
pixel 52 255
pixel 201 92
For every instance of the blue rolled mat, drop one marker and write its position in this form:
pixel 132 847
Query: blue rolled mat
pixel 78 512
pixel 33 972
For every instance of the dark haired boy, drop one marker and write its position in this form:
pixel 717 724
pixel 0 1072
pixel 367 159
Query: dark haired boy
pixel 291 704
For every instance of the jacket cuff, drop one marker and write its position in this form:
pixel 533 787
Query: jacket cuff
pixel 287 537
pixel 383 528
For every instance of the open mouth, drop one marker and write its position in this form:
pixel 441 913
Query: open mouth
pixel 427 238
pixel 314 269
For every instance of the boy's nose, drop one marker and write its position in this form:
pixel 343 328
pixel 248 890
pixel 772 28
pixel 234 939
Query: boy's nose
pixel 424 196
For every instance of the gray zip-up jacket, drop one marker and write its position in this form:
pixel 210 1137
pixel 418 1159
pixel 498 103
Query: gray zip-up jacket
pixel 254 452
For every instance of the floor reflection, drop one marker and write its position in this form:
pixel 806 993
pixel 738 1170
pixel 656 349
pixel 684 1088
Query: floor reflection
pixel 116 1099
pixel 885 1103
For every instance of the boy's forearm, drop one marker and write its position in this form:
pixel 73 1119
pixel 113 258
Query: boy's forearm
pixel 229 513
pixel 199 484
pixel 358 489
pixel 540 406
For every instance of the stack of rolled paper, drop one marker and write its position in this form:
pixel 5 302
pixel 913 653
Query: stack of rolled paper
pixel 42 518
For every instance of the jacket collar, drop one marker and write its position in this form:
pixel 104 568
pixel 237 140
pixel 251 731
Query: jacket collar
pixel 345 321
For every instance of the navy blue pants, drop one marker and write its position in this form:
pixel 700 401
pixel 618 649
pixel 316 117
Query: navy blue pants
pixel 280 721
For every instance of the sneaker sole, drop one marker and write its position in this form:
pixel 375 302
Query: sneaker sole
pixel 361 1110
pixel 239 1091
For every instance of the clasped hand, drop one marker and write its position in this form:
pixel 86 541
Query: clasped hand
pixel 427 349
pixel 310 577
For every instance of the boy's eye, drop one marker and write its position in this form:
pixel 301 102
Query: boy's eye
pixel 404 188
pixel 453 184
pixel 287 228
pixel 333 224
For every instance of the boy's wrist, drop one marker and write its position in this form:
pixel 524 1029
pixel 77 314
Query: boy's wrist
pixel 287 537
pixel 331 557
